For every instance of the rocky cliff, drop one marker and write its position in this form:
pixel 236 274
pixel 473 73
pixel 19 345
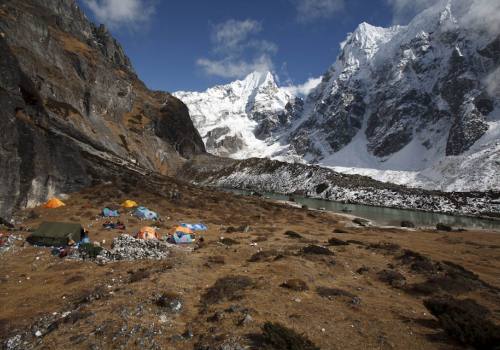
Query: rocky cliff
pixel 72 110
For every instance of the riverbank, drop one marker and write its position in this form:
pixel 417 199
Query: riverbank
pixel 383 216
pixel 263 175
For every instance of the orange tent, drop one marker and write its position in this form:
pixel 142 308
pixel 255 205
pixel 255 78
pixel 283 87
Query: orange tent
pixel 182 229
pixel 54 203
pixel 147 233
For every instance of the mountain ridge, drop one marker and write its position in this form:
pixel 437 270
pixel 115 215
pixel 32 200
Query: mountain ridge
pixel 414 99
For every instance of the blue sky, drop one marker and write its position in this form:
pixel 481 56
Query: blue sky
pixel 195 44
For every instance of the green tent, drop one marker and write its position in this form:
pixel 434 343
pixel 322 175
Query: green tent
pixel 56 234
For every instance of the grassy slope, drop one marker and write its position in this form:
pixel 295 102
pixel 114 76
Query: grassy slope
pixel 35 284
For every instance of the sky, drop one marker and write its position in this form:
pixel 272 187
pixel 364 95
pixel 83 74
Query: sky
pixel 192 45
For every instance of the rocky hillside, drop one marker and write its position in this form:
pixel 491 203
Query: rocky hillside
pixel 265 175
pixel 72 110
pixel 419 100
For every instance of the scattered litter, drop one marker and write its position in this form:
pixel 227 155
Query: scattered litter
pixel 7 241
pixel 111 225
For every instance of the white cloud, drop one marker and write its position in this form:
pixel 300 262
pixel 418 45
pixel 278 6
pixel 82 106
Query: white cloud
pixel 403 11
pixel 310 10
pixel 303 89
pixel 229 68
pixel 484 14
pixel 236 50
pixel 492 82
pixel 477 13
pixel 116 13
pixel 232 34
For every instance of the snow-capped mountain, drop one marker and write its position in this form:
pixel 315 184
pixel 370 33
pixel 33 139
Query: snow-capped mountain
pixel 416 98
pixel 415 104
pixel 240 119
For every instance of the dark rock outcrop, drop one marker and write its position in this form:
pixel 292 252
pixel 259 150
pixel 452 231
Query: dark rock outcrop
pixel 72 110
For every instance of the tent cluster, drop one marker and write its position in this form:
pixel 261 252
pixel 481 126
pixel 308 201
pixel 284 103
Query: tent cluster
pixel 140 212
pixel 66 237
pixel 181 234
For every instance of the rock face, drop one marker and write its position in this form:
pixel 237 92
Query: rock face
pixel 72 110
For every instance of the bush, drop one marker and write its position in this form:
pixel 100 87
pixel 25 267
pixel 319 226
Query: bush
pixel 465 321
pixel 337 242
pixel 394 278
pixel 293 234
pixel 295 284
pixel 227 288
pixel 90 251
pixel 316 250
pixel 278 337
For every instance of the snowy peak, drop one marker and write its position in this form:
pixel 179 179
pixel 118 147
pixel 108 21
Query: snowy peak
pixel 233 118
pixel 366 39
pixel 257 79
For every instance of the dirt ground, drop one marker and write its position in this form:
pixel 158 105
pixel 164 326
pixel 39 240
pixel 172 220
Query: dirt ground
pixel 227 290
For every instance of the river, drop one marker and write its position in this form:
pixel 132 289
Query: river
pixel 383 216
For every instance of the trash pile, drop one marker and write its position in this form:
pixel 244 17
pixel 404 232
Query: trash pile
pixel 7 241
pixel 126 247
pixel 114 225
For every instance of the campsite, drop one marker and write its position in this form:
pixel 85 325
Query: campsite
pixel 250 175
pixel 362 286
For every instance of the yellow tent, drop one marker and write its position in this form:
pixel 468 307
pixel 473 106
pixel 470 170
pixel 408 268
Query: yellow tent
pixel 129 204
pixel 54 203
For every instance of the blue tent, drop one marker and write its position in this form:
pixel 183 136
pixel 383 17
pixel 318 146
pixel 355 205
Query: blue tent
pixel 195 227
pixel 145 213
pixel 182 238
pixel 106 212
